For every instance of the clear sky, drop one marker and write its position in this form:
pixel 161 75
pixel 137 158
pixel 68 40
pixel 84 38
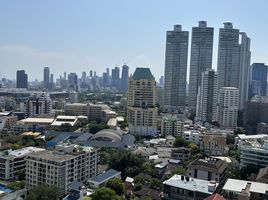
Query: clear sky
pixel 76 36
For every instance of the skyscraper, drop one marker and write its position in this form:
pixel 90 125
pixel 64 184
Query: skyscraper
pixel 176 68
pixel 201 58
pixel 124 78
pixel 22 79
pixel 142 111
pixel 258 79
pixel 207 96
pixel 72 81
pixel 228 56
pixel 116 77
pixel 244 67
pixel 227 107
pixel 46 78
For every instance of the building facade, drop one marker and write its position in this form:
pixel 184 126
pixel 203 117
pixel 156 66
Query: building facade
pixel 227 107
pixel 124 78
pixel 46 78
pixel 258 79
pixel 176 68
pixel 228 56
pixel 38 105
pixel 201 58
pixel 61 167
pixel 22 79
pixel 207 97
pixel 142 110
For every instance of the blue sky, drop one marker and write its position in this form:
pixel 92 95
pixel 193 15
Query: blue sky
pixel 76 36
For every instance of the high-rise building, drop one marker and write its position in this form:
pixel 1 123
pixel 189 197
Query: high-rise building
pixel 72 81
pixel 84 77
pixel 161 81
pixel 90 73
pixel 142 111
pixel 38 105
pixel 201 58
pixel 258 79
pixel 46 78
pixel 228 56
pixel 116 77
pixel 227 107
pixel 207 97
pixel 51 81
pixel 244 67
pixel 176 68
pixel 124 78
pixel 22 79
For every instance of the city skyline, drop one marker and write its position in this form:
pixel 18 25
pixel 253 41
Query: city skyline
pixel 33 39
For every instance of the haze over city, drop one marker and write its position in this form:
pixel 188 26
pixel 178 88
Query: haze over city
pixel 94 35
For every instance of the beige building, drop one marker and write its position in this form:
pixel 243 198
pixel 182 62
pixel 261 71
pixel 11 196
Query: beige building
pixel 76 109
pixel 142 110
pixel 67 163
pixel 214 144
pixel 171 125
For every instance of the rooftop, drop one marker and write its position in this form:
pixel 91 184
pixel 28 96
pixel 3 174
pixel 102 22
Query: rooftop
pixel 105 176
pixel 193 184
pixel 20 152
pixel 142 73
pixel 52 156
pixel 235 185
pixel 37 120
pixel 209 164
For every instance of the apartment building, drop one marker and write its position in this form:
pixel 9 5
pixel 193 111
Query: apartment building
pixel 13 162
pixel 67 163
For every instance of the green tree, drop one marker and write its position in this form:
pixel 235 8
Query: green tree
pixel 155 183
pixel 194 149
pixel 16 185
pixel 116 184
pixel 230 139
pixel 43 192
pixel 104 193
pixel 180 142
pixel 139 179
pixel 96 127
pixel 179 170
pixel 104 157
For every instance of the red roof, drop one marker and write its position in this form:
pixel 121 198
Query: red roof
pixel 215 197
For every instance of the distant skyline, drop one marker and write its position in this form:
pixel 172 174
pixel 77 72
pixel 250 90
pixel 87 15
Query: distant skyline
pixel 77 36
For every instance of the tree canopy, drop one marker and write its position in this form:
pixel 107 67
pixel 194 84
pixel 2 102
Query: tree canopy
pixel 105 193
pixel 43 192
pixel 116 184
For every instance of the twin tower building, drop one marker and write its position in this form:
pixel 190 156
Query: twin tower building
pixel 231 80
pixel 212 95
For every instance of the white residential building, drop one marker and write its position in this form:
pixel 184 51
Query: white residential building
pixel 171 125
pixel 194 136
pixel 207 96
pixel 14 162
pixel 253 149
pixel 227 107
pixel 61 167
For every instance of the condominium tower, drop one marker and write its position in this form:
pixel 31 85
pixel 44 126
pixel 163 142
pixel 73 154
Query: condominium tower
pixel 207 96
pixel 124 78
pixel 142 111
pixel 46 78
pixel 201 58
pixel 176 68
pixel 22 79
pixel 227 107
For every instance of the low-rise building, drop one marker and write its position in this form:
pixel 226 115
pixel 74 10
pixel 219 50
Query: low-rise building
pixel 101 179
pixel 214 145
pixel 171 125
pixel 193 136
pixel 76 109
pixel 208 169
pixel 67 163
pixel 253 150
pixel 180 187
pixel 235 189
pixel 13 162
pixel 181 153
pixel 7 121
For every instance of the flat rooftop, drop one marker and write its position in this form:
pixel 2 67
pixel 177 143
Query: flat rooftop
pixel 37 120
pixel 235 185
pixel 21 152
pixel 192 185
pixel 52 156
pixel 101 178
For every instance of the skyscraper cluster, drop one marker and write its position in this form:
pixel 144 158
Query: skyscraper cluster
pixel 233 70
